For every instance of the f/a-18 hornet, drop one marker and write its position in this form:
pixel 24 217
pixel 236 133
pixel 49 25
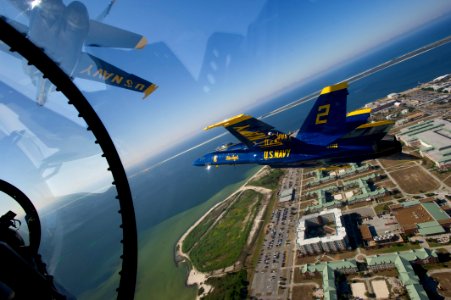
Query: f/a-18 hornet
pixel 328 137
pixel 65 31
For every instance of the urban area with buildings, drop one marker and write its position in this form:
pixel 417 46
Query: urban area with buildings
pixel 376 230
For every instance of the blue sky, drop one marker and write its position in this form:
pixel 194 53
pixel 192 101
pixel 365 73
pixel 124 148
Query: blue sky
pixel 215 59
pixel 284 42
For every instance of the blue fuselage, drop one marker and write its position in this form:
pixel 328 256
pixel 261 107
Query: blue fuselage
pixel 311 156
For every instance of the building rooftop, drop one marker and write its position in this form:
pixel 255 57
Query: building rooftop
pixel 432 227
pixel 365 232
pixel 400 260
pixel 435 211
pixel 434 136
pixel 407 275
pixel 340 231
pixel 427 217
pixel 286 192
pixel 409 255
pixel 328 272
pixel 409 216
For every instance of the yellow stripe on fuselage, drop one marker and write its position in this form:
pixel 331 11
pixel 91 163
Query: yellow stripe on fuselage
pixel 335 87
pixel 375 124
pixel 230 121
pixel 359 112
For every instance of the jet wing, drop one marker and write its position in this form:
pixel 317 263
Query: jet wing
pixel 94 68
pixel 103 35
pixel 253 132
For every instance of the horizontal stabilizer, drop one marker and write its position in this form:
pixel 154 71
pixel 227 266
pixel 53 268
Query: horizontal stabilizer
pixel 357 118
pixel 103 35
pixel 94 68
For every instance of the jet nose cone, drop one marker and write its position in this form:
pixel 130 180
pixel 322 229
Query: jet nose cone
pixel 200 162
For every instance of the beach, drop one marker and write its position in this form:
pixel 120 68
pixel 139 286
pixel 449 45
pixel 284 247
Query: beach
pixel 195 277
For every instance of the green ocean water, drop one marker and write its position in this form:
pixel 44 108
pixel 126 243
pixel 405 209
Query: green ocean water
pixel 158 275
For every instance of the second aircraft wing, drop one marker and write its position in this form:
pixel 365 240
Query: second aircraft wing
pixel 253 132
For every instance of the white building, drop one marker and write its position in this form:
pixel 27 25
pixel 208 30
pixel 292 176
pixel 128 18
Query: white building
pixel 335 240
pixel 433 138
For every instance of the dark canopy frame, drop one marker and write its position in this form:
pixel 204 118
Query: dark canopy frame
pixel 19 43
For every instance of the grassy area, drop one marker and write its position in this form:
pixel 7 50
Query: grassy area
pixel 395 248
pixel 222 245
pixel 270 181
pixel 433 244
pixel 436 266
pixel 388 273
pixel 344 255
pixel 303 292
pixel 201 228
pixel 414 180
pixel 383 207
pixel 230 286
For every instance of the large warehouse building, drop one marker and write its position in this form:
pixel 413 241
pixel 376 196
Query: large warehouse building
pixel 433 138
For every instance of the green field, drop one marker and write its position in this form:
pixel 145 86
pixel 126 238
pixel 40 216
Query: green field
pixel 202 227
pixel 383 207
pixel 222 245
pixel 395 248
pixel 270 180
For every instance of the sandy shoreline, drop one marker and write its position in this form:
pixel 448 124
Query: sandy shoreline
pixel 195 276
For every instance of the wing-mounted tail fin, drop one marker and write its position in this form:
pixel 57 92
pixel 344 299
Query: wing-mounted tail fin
pixel 253 132
pixel 327 119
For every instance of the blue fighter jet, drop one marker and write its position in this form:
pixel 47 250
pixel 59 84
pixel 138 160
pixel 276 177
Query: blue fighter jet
pixel 329 137
pixel 65 31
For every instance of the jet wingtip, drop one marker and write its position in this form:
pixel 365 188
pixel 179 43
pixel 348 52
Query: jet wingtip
pixel 150 90
pixel 142 43
pixel 230 121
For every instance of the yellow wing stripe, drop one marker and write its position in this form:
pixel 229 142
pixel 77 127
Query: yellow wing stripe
pixel 142 43
pixel 333 88
pixel 150 90
pixel 375 124
pixel 359 112
pixel 230 121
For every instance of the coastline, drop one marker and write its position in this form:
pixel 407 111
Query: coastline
pixel 196 277
pixel 172 284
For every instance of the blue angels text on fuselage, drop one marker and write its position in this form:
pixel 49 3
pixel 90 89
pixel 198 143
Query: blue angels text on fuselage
pixel 329 136
pixel 63 31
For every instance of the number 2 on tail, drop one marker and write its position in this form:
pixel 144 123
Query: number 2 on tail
pixel 323 111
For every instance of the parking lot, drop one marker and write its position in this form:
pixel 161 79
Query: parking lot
pixel 383 225
pixel 272 274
